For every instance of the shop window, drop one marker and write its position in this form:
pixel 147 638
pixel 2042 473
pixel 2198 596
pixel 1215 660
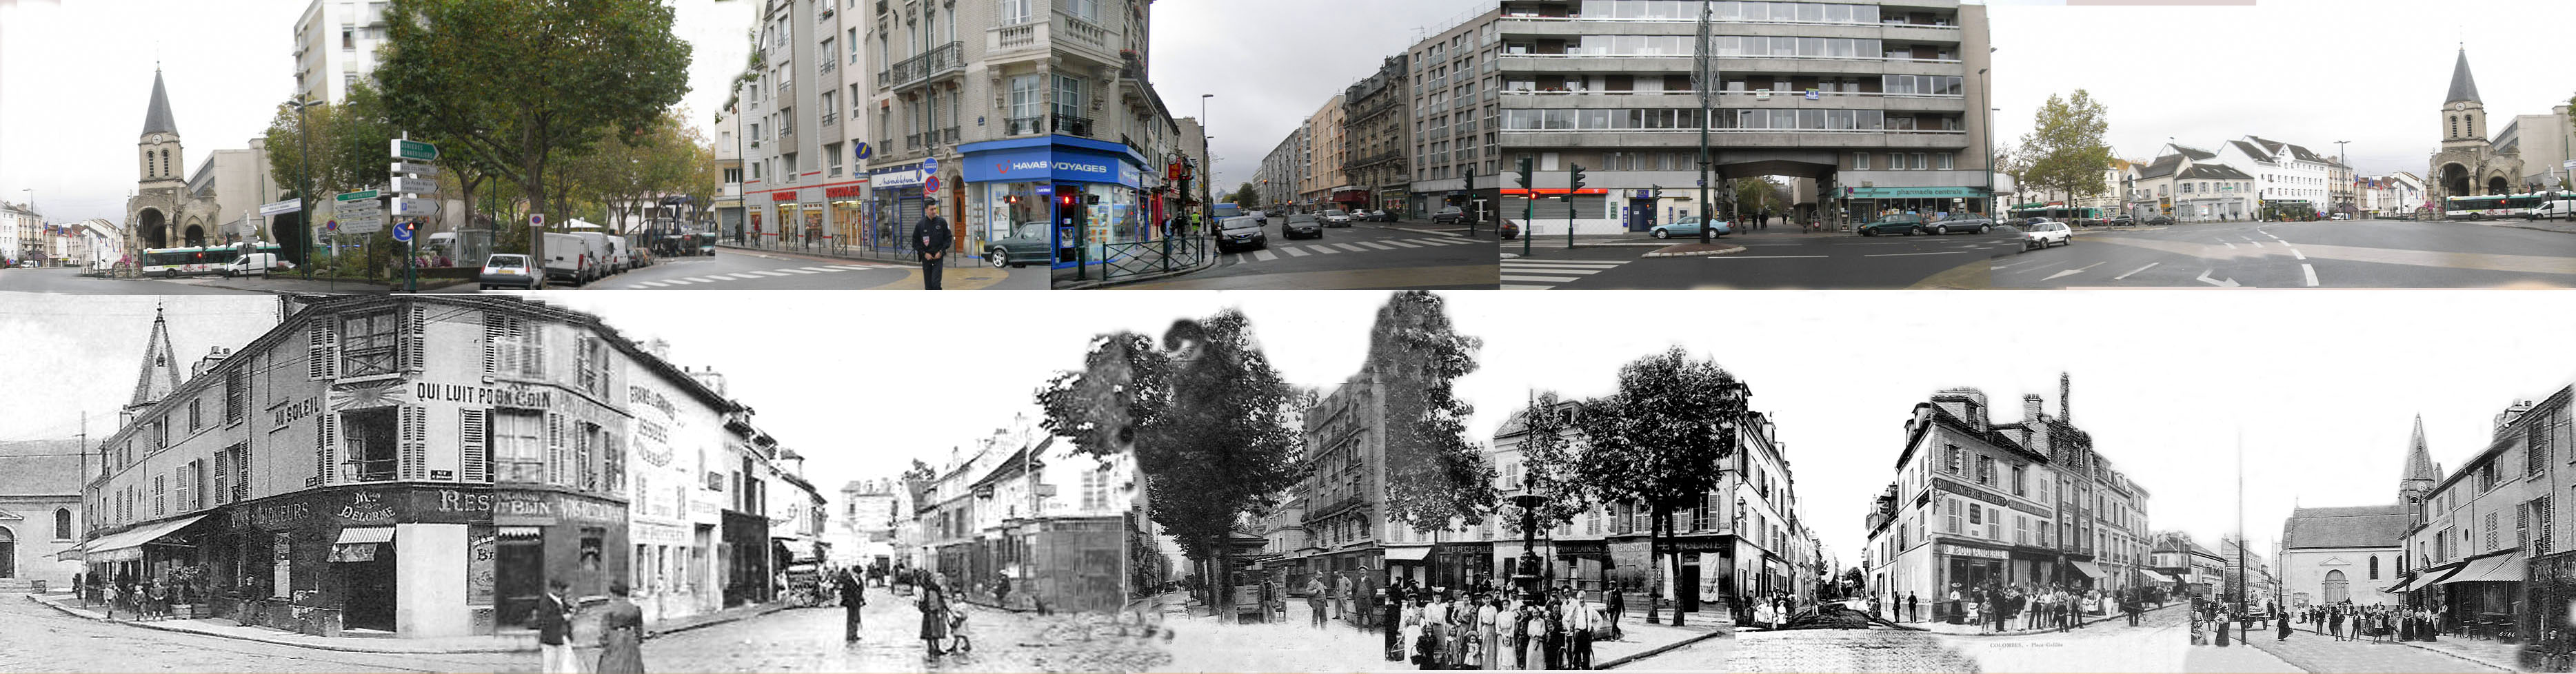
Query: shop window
pixel 370 439
pixel 369 343
pixel 592 544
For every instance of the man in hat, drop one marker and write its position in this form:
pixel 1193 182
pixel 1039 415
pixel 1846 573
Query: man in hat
pixel 930 239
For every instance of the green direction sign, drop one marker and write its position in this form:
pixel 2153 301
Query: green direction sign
pixel 414 150
pixel 360 195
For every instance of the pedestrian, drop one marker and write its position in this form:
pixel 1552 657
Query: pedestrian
pixel 2334 624
pixel 1489 614
pixel 1001 584
pixel 1411 631
pixel 1582 624
pixel 933 604
pixel 2223 619
pixel 1618 601
pixel 1977 616
pixel 554 629
pixel 1533 646
pixel 1913 607
pixel 854 598
pixel 621 633
pixel 2283 627
pixel 931 240
pixel 1391 608
pixel 1315 601
pixel 158 596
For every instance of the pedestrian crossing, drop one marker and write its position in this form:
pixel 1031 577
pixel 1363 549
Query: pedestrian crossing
pixel 752 275
pixel 1281 250
pixel 1533 274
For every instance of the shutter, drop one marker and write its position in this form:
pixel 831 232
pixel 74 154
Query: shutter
pixel 415 443
pixel 491 343
pixel 533 335
pixel 223 481
pixel 317 350
pixel 1546 209
pixel 415 337
pixel 326 450
pixel 554 448
pixel 474 439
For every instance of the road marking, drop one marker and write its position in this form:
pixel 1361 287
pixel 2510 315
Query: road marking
pixel 1541 279
pixel 800 270
pixel 1264 256
pixel 649 284
pixel 1376 245
pixel 2229 246
pixel 2002 267
pixel 1762 257
pixel 1584 267
pixel 2295 252
pixel 819 269
pixel 2312 274
pixel 1295 252
pixel 2276 237
pixel 2071 272
pixel 1438 242
pixel 700 279
pixel 1937 252
pixel 1351 248
pixel 2257 244
pixel 678 282
pixel 2134 272
pixel 1403 244
pixel 1321 248
pixel 1515 286
pixel 1553 271
pixel 2204 278
pixel 765 272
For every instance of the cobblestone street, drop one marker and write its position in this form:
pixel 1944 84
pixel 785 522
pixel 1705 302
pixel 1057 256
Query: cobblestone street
pixel 35 638
pixel 2156 645
pixel 809 640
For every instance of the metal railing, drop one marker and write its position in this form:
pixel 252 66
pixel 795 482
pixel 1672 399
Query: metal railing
pixel 1164 255
pixel 911 141
pixel 1071 124
pixel 938 60
pixel 1020 125
pixel 830 117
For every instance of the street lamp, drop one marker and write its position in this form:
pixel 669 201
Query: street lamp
pixel 1207 148
pixel 1985 90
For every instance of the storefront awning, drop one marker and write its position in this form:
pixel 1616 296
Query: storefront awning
pixel 74 553
pixel 2504 568
pixel 2431 578
pixel 2155 577
pixel 519 532
pixel 2088 569
pixel 1408 554
pixel 366 535
pixel 129 545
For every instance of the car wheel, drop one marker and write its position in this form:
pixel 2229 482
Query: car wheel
pixel 1981 229
pixel 1944 229
pixel 1663 234
pixel 1001 258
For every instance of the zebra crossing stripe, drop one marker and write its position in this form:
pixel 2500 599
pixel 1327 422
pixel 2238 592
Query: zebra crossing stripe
pixel 1264 255
pixel 1352 248
pixel 700 279
pixel 770 273
pixel 1321 248
pixel 1295 252
pixel 678 282
pixel 823 269
pixel 649 284
pixel 1541 279
pixel 1512 286
pixel 799 271
pixel 1407 245
pixel 1376 245
pixel 1437 242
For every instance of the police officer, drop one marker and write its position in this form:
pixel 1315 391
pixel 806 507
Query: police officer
pixel 931 239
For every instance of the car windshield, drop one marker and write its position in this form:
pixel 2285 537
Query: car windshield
pixel 1029 230
pixel 507 261
pixel 1902 218
pixel 1449 209
pixel 1301 217
pixel 1243 223
pixel 1333 211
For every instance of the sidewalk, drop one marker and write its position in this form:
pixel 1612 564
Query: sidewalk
pixel 2489 653
pixel 1940 627
pixel 510 640
pixel 286 284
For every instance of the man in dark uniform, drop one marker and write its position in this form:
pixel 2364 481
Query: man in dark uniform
pixel 931 239
pixel 854 596
pixel 554 629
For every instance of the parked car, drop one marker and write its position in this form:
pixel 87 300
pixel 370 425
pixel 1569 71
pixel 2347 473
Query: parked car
pixel 2122 221
pixel 568 259
pixel 507 270
pixel 1509 229
pixel 1894 224
pixel 1688 227
pixel 1241 232
pixel 1027 244
pixel 2160 220
pixel 1449 215
pixel 1381 215
pixel 1963 224
pixel 1334 217
pixel 2343 216
pixel 2045 233
pixel 2557 209
pixel 1301 226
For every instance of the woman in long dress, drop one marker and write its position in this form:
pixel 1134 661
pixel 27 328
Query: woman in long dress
pixel 1486 618
pixel 621 634
pixel 1534 654
pixel 1412 629
pixel 934 616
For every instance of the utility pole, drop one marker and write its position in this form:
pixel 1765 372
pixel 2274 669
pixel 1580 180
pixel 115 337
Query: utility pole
pixel 1707 81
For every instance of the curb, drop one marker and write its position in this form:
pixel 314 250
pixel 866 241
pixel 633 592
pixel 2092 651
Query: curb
pixel 1615 663
pixel 813 257
pixel 1141 278
pixel 2103 619
pixel 1696 253
pixel 2536 229
pixel 2426 648
pixel 327 647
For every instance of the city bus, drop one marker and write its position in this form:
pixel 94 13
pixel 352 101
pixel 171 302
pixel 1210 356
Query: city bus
pixel 174 262
pixel 2491 206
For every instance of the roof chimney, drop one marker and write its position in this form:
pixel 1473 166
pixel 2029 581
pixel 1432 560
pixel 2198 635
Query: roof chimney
pixel 2065 399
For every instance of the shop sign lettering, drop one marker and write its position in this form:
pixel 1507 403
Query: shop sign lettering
pixel 513 396
pixel 842 192
pixel 366 507
pixel 453 501
pixel 648 397
pixel 1085 168
pixel 535 506
pixel 293 412
pixel 270 516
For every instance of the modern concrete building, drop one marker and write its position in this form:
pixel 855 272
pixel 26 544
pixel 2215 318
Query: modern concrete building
pixel 728 209
pixel 1456 107
pixel 335 47
pixel 2544 142
pixel 1282 170
pixel 1878 101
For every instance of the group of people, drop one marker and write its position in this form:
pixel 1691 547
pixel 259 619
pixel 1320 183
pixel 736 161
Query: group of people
pixel 1998 607
pixel 140 598
pixel 1485 627
pixel 2378 623
pixel 621 631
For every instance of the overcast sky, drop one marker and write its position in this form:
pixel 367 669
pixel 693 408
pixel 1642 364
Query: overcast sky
pixel 2323 385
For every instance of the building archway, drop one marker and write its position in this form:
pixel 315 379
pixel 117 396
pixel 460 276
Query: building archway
pixel 2337 590
pixel 154 228
pixel 2498 185
pixel 196 236
pixel 8 554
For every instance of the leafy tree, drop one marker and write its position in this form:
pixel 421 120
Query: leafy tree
pixel 1433 472
pixel 1658 441
pixel 508 85
pixel 1213 427
pixel 1247 196
pixel 2065 151
pixel 1755 195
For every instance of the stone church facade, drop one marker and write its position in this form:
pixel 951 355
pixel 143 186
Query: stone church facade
pixel 2469 163
pixel 2356 554
pixel 162 213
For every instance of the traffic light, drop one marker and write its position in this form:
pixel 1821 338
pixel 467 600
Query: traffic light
pixel 1524 173
pixel 1011 199
pixel 1574 182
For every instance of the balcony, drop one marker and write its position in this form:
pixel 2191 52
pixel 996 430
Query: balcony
pixel 1016 126
pixel 1071 125
pixel 828 65
pixel 1039 38
pixel 912 141
pixel 830 117
pixel 941 60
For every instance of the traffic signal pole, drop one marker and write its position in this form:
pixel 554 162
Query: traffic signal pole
pixel 1529 206
pixel 1573 184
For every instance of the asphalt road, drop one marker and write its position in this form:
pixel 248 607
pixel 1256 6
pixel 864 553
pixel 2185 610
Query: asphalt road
pixel 1772 259
pixel 69 280
pixel 1363 256
pixel 2351 254
pixel 744 270
pixel 37 638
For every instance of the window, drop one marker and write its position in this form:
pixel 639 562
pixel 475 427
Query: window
pixel 2491 532
pixel 1986 470
pixel 369 343
pixel 2535 448
pixel 2020 486
pixel 160 493
pixel 513 346
pixel 1025 97
pixel 1068 96
pixel 370 438
pixel 196 418
pixel 62 524
pixel 593 365
pixel 236 393
pixel 1954 515
pixel 2374 567
pixel 1955 459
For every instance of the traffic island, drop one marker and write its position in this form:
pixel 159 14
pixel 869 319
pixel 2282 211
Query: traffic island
pixel 1696 250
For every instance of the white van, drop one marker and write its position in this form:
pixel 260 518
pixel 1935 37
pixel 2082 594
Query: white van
pixel 2561 209
pixel 254 263
pixel 568 259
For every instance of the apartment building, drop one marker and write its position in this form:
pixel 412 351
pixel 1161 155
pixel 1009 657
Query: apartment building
pixel 335 47
pixel 1374 115
pixel 1456 109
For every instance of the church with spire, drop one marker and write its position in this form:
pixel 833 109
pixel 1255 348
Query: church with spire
pixel 2474 159
pixel 176 204
pixel 2331 555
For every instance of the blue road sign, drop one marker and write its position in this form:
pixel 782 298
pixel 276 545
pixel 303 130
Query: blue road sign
pixel 402 231
pixel 930 165
pixel 863 151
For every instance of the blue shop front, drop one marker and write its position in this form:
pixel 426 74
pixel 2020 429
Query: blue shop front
pixel 1080 195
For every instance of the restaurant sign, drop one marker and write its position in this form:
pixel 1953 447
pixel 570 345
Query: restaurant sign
pixel 545 508
pixel 365 506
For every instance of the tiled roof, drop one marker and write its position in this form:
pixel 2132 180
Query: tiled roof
pixel 2163 166
pixel 2196 154
pixel 2347 527
pixel 40 467
pixel 2251 151
pixel 2214 172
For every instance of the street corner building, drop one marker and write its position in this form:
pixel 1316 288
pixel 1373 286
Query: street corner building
pixel 2483 542
pixel 1868 107
pixel 1979 505
pixel 419 466
pixel 995 516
